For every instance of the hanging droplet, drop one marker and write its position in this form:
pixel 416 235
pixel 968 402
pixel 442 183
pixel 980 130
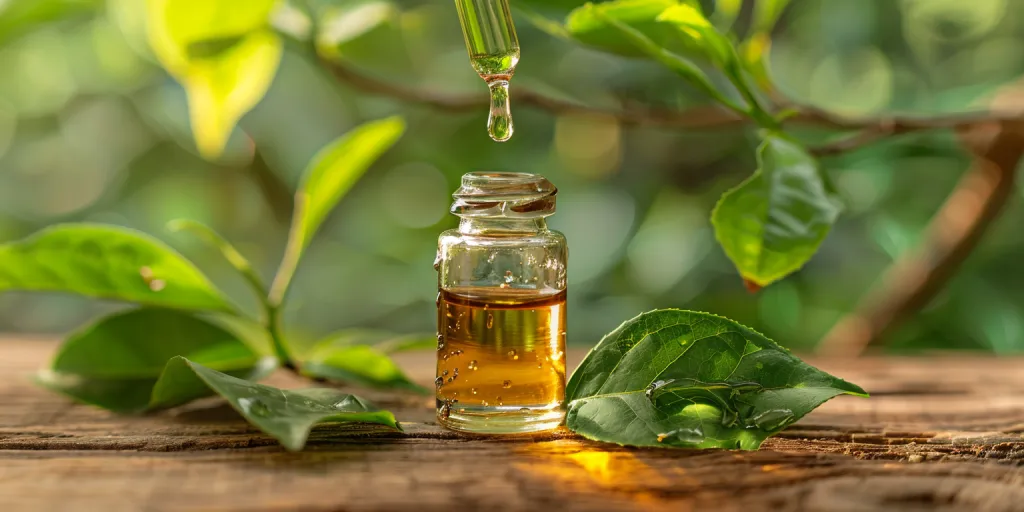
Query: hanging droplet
pixel 499 122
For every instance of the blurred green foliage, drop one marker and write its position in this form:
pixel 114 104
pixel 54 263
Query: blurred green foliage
pixel 92 129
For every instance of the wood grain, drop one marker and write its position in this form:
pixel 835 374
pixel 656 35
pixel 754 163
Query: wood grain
pixel 941 433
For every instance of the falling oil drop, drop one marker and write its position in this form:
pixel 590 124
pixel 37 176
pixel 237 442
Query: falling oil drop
pixel 499 122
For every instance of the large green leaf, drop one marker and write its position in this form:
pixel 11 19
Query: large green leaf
pixel 286 415
pixel 695 380
pixel 106 262
pixel 225 55
pixel 327 179
pixel 692 26
pixel 669 32
pixel 772 223
pixel 587 25
pixel 676 26
pixel 334 170
pixel 345 357
pixel 117 362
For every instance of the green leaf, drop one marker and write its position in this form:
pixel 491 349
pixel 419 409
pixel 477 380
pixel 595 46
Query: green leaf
pixel 213 48
pixel 672 33
pixel 630 21
pixel 692 26
pixel 755 50
pixel 117 362
pixel 695 380
pixel 19 17
pixel 285 415
pixel 106 262
pixel 726 12
pixel 336 168
pixel 327 179
pixel 233 257
pixel 587 25
pixel 772 223
pixel 766 14
pixel 224 54
pixel 348 20
pixel 342 358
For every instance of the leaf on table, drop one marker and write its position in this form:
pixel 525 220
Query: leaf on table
pixel 285 415
pixel 695 380
pixel 107 262
pixel 772 223
pixel 224 54
pixel 345 357
pixel 117 362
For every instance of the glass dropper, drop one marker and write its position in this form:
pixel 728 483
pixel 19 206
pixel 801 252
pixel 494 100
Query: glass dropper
pixel 494 52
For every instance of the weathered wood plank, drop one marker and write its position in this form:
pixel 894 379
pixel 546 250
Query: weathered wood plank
pixel 944 432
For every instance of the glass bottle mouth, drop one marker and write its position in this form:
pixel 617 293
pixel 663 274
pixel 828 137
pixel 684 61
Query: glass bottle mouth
pixel 504 194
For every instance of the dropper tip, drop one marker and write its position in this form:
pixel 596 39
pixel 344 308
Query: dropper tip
pixel 499 122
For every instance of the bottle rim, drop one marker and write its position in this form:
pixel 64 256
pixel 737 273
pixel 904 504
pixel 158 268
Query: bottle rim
pixel 504 194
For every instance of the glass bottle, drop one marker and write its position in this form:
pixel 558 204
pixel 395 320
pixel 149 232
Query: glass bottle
pixel 501 308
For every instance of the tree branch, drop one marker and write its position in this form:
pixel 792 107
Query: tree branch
pixel 708 116
pixel 914 279
pixel 703 117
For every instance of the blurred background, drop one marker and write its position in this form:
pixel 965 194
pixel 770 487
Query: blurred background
pixel 92 129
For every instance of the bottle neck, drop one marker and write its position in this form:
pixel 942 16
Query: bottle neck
pixel 499 226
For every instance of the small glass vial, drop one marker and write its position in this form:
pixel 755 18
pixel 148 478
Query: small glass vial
pixel 501 308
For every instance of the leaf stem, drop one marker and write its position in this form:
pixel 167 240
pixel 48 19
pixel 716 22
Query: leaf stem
pixel 289 263
pixel 272 322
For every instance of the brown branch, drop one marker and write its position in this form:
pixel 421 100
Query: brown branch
pixel 702 117
pixel 709 116
pixel 914 279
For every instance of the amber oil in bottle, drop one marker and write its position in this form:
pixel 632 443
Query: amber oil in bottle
pixel 501 314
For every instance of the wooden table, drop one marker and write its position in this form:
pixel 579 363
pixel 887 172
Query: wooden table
pixel 944 433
